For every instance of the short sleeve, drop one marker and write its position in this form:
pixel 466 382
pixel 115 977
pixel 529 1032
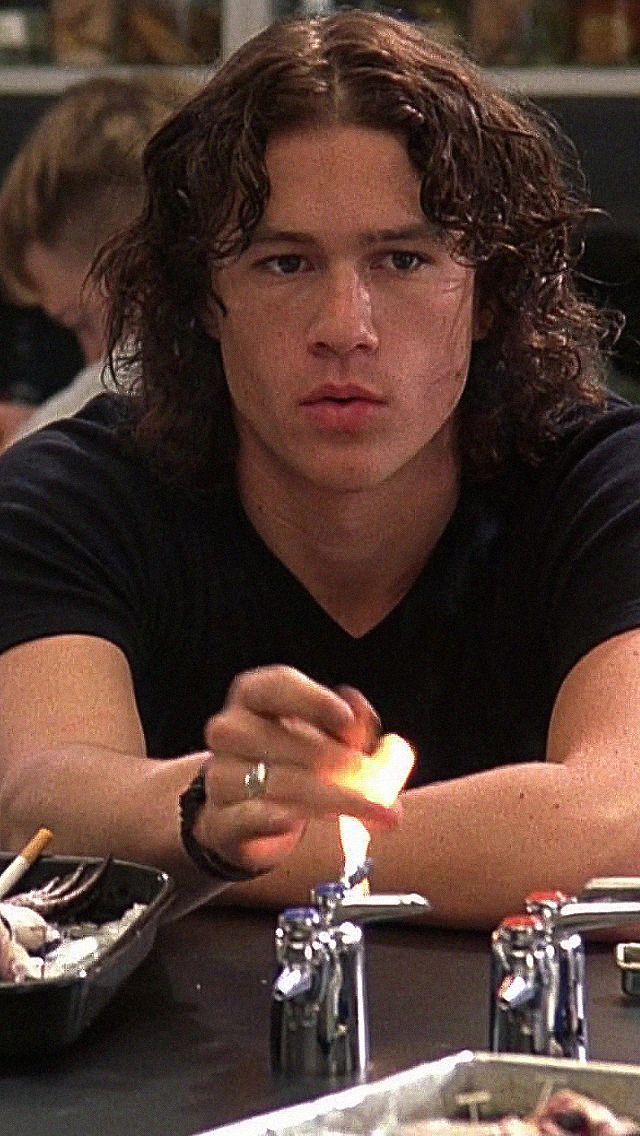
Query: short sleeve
pixel 75 539
pixel 588 552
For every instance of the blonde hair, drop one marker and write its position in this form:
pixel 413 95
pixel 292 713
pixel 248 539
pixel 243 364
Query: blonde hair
pixel 78 176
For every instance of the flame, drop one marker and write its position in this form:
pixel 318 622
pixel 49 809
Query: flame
pixel 380 777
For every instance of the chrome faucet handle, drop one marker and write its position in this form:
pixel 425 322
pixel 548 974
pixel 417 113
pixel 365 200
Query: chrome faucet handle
pixel 381 907
pixel 603 902
pixel 319 1023
pixel 300 953
pixel 319 1018
pixel 611 887
pixel 336 902
pixel 514 940
pixel 595 915
pixel 565 998
pixel 546 904
pixel 539 967
pixel 606 901
pixel 518 981
pixel 296 928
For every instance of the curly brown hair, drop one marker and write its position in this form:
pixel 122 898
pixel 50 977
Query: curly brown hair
pixel 498 178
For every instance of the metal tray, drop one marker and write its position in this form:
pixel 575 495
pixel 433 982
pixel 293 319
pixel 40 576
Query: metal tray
pixel 478 1086
pixel 44 1016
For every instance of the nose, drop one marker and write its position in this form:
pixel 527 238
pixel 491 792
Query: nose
pixel 342 317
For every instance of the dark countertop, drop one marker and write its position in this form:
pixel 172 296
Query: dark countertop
pixel 183 1046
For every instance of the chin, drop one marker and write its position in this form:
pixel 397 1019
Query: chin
pixel 349 480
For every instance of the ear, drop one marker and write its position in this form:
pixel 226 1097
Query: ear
pixel 210 317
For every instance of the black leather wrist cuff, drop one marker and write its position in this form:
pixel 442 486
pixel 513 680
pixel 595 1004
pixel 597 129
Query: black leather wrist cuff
pixel 191 801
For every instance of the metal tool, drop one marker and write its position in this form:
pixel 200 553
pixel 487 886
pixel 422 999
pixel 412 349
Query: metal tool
pixel 319 1019
pixel 538 976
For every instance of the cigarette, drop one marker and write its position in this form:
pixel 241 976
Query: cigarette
pixel 17 868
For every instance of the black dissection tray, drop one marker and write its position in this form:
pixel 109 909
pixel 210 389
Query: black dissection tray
pixel 42 1016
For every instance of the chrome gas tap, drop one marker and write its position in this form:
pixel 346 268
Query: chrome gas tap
pixel 319 1020
pixel 538 978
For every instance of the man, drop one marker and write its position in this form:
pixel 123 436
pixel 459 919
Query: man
pixel 366 479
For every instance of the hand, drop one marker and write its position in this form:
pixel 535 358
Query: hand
pixel 307 735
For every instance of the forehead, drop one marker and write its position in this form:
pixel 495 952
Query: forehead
pixel 342 172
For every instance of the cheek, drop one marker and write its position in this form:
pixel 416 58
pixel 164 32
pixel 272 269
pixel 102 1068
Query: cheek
pixel 256 358
pixel 447 341
pixel 441 362
pixel 244 370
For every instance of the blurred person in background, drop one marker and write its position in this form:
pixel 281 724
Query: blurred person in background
pixel 76 181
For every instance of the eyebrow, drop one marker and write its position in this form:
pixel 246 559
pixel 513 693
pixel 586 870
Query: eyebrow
pixel 268 236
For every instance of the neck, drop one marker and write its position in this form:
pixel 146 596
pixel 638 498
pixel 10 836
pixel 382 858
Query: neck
pixel 356 552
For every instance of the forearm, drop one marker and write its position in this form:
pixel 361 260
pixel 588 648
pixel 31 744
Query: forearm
pixel 88 778
pixel 476 846
pixel 99 802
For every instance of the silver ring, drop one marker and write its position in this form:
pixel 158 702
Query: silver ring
pixel 255 781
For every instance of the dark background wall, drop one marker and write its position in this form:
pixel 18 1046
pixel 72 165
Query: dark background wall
pixel 606 132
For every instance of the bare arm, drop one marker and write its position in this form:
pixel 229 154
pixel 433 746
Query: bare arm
pixel 72 757
pixel 477 845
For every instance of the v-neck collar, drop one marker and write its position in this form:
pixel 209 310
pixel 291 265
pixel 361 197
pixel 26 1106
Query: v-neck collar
pixel 460 550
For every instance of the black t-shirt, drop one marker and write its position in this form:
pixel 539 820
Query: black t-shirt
pixel 535 568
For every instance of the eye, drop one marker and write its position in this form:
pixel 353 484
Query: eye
pixel 287 264
pixel 405 261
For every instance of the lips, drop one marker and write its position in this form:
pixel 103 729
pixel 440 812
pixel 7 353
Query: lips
pixel 342 408
pixel 340 393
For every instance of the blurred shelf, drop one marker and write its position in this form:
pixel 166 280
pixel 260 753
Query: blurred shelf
pixel 51 80
pixel 545 82
pixel 571 82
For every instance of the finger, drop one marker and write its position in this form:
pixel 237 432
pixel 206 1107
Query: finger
pixel 392 820
pixel 249 820
pixel 238 733
pixel 291 786
pixel 367 726
pixel 260 838
pixel 226 781
pixel 284 692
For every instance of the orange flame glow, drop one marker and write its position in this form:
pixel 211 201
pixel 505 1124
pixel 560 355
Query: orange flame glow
pixel 380 777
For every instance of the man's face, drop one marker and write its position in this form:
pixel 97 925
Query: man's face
pixel 348 326
pixel 58 273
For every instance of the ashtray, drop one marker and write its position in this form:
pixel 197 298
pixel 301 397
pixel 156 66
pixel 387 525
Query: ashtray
pixel 43 1015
